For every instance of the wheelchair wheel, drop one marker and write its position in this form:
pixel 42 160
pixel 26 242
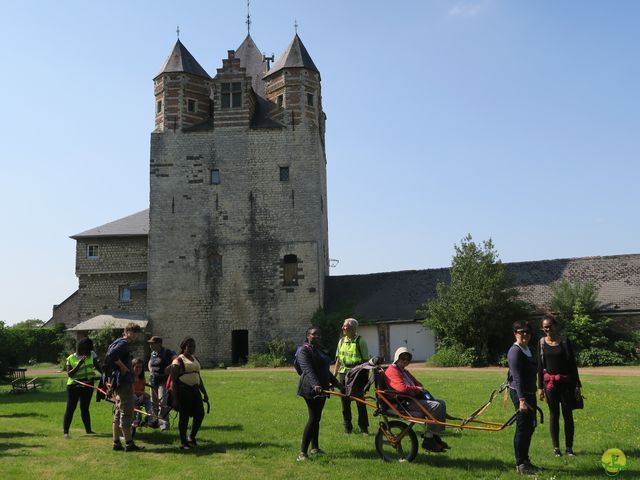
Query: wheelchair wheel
pixel 404 450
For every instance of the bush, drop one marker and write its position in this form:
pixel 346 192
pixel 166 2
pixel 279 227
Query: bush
pixel 454 356
pixel 329 324
pixel 24 344
pixel 278 354
pixel 597 357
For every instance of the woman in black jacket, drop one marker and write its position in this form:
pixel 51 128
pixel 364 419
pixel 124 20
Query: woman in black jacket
pixel 558 382
pixel 314 378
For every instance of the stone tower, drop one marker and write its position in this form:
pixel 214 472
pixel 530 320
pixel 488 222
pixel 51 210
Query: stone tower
pixel 238 241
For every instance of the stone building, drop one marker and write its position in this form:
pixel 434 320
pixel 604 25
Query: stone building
pixel 234 247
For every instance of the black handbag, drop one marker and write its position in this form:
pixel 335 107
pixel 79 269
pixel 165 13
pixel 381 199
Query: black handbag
pixel 578 402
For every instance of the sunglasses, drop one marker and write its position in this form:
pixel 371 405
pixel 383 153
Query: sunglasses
pixel 523 332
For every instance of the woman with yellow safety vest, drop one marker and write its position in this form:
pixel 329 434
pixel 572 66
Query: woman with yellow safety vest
pixel 81 366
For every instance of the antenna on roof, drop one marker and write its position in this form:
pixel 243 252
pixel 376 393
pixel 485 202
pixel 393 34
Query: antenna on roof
pixel 178 31
pixel 295 25
pixel 248 22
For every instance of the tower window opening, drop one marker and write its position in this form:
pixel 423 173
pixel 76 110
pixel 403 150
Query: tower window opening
pixel 232 95
pixel 310 99
pixel 280 101
pixel 290 268
pixel 159 106
pixel 215 177
pixel 284 174
pixel 191 105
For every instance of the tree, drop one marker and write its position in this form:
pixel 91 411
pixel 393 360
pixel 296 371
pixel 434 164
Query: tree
pixel 566 295
pixel 476 310
pixel 30 323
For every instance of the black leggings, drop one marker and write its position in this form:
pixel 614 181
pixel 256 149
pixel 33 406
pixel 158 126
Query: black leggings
pixel 190 406
pixel 312 428
pixel 560 397
pixel 77 392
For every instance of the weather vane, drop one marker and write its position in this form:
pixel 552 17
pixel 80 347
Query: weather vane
pixel 248 22
pixel 295 25
pixel 178 31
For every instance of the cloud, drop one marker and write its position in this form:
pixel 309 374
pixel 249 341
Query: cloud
pixel 467 9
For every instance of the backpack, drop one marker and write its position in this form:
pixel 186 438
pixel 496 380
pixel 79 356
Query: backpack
pixel 296 364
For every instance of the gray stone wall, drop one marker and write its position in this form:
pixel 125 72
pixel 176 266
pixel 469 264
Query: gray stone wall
pixel 100 293
pixel 216 251
pixel 67 313
pixel 115 254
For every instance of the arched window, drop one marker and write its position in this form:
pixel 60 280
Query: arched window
pixel 290 265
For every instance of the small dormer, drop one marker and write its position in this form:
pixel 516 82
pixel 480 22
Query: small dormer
pixel 182 92
pixel 233 96
pixel 292 87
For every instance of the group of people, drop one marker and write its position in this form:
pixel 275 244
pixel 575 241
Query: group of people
pixel 174 382
pixel 316 377
pixel 544 370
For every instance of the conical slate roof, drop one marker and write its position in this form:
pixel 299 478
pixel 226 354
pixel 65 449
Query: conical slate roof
pixel 181 61
pixel 295 56
pixel 251 59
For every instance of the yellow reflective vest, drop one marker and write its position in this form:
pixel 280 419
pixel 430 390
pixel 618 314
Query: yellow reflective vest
pixel 86 371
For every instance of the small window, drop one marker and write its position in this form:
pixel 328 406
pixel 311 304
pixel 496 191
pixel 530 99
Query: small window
pixel 284 174
pixel 92 252
pixel 191 105
pixel 124 294
pixel 310 99
pixel 280 101
pixel 159 106
pixel 215 262
pixel 232 95
pixel 290 270
pixel 215 177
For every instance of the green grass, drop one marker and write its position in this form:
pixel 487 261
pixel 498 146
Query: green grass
pixel 256 422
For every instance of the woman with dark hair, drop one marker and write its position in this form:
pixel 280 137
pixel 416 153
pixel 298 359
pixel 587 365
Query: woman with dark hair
pixel 186 385
pixel 522 388
pixel 315 377
pixel 81 366
pixel 558 382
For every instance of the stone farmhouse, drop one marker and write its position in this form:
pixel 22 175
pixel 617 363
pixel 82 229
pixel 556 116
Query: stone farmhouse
pixel 234 247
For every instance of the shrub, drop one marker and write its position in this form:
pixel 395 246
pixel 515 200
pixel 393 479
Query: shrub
pixel 454 356
pixel 329 324
pixel 278 354
pixel 597 357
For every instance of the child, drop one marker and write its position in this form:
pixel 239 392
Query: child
pixel 140 396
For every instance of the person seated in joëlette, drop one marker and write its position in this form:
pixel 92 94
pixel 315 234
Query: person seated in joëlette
pixel 400 379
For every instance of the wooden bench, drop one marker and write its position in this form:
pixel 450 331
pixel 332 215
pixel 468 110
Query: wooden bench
pixel 19 383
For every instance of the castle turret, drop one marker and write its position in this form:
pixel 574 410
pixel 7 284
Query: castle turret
pixel 293 87
pixel 182 91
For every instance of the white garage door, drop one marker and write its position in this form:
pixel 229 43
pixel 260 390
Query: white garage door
pixel 417 338
pixel 370 335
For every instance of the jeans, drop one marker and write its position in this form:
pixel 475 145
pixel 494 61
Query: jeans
pixel 525 426
pixel 159 399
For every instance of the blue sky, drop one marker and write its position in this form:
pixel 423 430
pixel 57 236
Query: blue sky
pixel 513 120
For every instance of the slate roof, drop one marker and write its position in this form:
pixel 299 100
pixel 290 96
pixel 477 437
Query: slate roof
pixel 181 61
pixel 397 295
pixel 251 59
pixel 133 225
pixel 295 56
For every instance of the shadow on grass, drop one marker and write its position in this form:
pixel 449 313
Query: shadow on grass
pixel 20 434
pixel 209 448
pixel 223 428
pixel 6 447
pixel 22 415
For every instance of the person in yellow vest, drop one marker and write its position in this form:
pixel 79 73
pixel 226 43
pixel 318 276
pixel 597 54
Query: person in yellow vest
pixel 352 350
pixel 82 365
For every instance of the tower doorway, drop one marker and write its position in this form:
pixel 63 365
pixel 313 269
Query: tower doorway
pixel 239 346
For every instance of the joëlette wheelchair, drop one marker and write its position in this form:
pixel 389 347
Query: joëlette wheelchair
pixel 396 440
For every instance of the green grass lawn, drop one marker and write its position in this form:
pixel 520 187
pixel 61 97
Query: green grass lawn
pixel 256 423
